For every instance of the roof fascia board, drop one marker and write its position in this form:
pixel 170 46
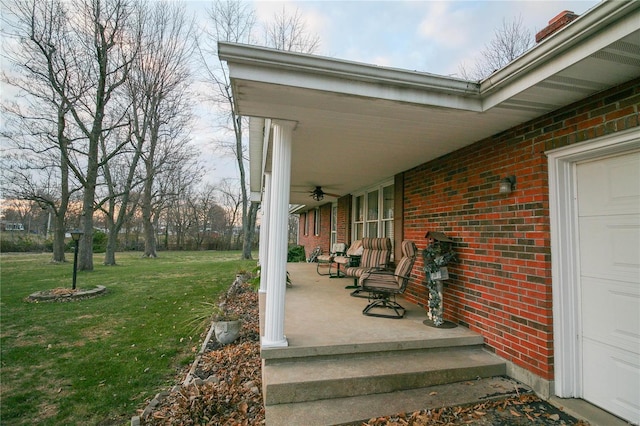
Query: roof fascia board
pixel 296 208
pixel 271 66
pixel 592 31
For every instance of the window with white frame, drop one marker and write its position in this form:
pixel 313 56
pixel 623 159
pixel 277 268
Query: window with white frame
pixel 316 222
pixel 334 223
pixel 373 212
pixel 358 217
pixel 306 223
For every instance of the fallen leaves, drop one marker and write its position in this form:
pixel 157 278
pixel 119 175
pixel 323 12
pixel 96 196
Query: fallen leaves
pixel 520 409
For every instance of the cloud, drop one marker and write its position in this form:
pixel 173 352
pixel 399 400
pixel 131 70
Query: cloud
pixel 444 23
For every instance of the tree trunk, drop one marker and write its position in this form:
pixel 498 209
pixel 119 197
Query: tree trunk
pixel 61 212
pixel 113 229
pixel 85 256
pixel 58 237
pixel 150 248
pixel 249 234
pixel 112 242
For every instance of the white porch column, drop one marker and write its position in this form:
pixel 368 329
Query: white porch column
pixel 278 229
pixel 264 233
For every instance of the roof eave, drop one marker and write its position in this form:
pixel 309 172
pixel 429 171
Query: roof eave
pixel 270 66
pixel 592 31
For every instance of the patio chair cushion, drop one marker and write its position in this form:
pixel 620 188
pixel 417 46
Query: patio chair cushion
pixel 328 259
pixel 376 253
pixel 336 249
pixel 354 251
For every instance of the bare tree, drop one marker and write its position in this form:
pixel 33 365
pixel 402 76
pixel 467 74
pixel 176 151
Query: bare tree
pixel 35 172
pixel 201 204
pixel 120 180
pixel 231 202
pixel 158 88
pixel 171 182
pixel 81 54
pixel 233 21
pixel 218 224
pixel 289 32
pixel 509 41
pixel 34 161
pixel 294 224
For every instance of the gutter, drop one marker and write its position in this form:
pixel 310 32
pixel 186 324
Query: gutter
pixel 235 53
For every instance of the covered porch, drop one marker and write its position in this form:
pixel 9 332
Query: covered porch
pixel 320 315
pixel 318 122
pixel 341 366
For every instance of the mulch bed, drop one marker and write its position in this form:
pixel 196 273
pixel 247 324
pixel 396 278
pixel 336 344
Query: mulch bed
pixel 226 389
pixel 65 294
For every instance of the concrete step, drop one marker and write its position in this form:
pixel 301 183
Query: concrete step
pixel 348 376
pixel 348 410
pixel 272 356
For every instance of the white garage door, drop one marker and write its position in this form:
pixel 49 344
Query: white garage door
pixel 609 233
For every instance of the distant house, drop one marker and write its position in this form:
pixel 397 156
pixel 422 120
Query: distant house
pixel 549 272
pixel 12 226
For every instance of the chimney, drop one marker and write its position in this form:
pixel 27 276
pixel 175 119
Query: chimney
pixel 558 22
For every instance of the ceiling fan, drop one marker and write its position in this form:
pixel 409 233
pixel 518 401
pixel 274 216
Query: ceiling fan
pixel 318 194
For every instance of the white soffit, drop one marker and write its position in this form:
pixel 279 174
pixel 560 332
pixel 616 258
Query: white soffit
pixel 359 123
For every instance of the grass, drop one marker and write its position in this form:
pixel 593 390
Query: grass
pixel 95 361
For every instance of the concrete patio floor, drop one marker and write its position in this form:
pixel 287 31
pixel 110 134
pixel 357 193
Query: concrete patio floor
pixel 320 312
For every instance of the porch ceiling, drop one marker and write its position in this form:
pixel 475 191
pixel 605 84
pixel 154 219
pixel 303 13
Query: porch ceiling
pixel 358 124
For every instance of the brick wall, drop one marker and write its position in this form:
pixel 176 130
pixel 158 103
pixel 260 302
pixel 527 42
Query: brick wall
pixel 501 285
pixel 343 229
pixel 323 239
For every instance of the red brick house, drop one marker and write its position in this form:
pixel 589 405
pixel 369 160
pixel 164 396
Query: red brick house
pixel 549 273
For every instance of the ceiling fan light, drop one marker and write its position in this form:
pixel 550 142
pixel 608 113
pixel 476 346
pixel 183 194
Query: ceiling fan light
pixel 317 194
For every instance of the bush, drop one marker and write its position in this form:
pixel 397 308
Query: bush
pixel 296 254
pixel 20 244
pixel 99 242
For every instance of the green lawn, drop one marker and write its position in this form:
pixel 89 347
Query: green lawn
pixel 95 361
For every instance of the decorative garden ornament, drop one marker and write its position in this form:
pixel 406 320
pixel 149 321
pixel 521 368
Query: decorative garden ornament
pixel 227 331
pixel 437 255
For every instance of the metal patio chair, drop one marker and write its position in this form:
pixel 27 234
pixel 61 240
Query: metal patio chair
pixel 383 285
pixel 328 259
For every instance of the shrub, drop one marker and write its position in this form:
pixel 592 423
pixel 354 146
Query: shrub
pixel 21 244
pixel 296 254
pixel 99 242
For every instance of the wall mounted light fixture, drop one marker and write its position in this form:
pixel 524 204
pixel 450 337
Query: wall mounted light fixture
pixel 507 184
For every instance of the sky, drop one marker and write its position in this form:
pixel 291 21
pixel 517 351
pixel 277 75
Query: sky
pixel 427 36
pixel 430 36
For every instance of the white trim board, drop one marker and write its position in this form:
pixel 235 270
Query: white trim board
pixel 565 265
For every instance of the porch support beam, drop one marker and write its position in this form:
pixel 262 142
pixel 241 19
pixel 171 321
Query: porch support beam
pixel 278 229
pixel 264 233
